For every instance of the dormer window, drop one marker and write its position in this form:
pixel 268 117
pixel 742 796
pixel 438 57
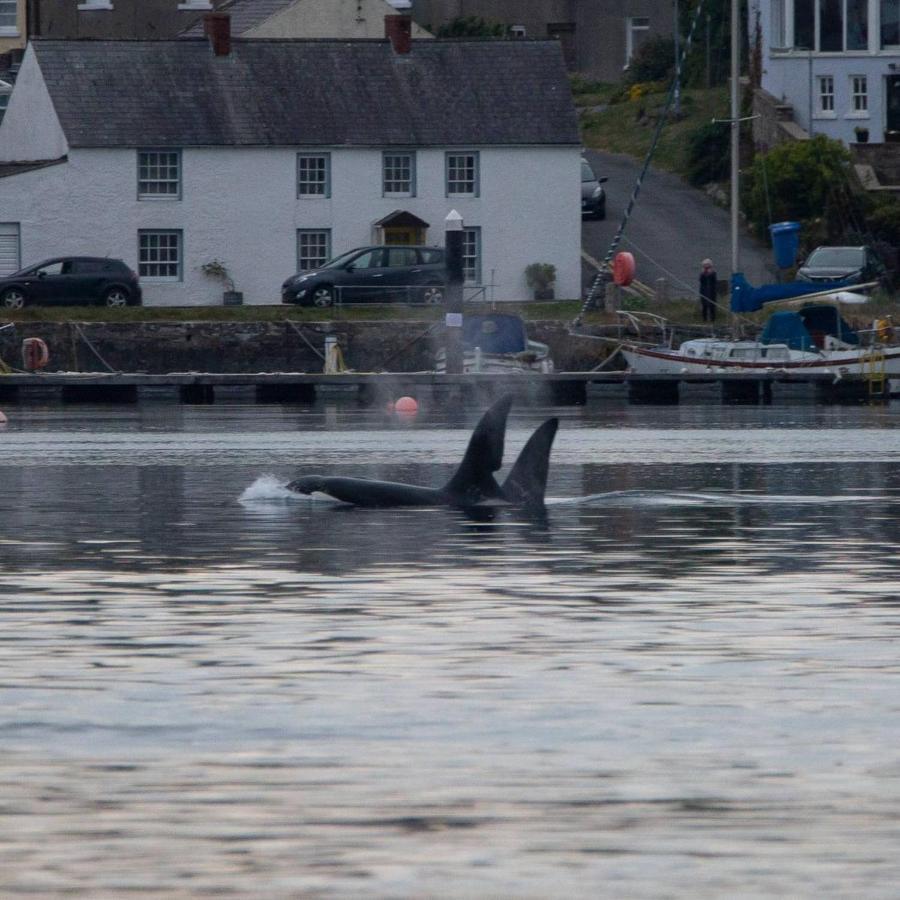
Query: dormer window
pixel 195 4
pixel 95 4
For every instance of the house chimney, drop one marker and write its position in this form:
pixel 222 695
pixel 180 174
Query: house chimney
pixel 217 27
pixel 399 29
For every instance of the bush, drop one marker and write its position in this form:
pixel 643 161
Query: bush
pixel 471 26
pixel 708 154
pixel 654 61
pixel 802 181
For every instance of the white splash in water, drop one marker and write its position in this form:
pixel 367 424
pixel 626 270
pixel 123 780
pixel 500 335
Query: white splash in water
pixel 267 488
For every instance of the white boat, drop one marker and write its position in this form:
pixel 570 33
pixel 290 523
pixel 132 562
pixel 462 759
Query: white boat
pixel 814 339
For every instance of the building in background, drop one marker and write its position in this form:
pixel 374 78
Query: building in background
pixel 598 37
pixel 273 156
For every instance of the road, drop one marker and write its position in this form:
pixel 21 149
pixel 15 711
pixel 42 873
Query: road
pixel 672 229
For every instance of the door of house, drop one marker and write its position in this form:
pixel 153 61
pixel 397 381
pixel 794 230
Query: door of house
pixel 403 235
pixel 9 248
pixel 892 108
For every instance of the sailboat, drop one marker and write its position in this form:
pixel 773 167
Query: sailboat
pixel 809 337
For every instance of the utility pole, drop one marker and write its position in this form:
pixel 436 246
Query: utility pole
pixel 735 132
pixel 677 99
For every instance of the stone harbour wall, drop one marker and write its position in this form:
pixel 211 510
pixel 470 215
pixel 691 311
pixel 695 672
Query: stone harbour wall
pixel 235 347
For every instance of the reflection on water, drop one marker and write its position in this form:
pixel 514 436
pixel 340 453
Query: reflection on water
pixel 683 682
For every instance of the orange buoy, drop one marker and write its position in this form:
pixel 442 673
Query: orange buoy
pixel 35 354
pixel 623 268
pixel 406 405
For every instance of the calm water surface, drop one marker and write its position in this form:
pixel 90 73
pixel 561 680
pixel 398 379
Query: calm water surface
pixel 685 682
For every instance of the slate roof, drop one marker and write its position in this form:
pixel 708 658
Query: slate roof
pixel 244 15
pixel 324 93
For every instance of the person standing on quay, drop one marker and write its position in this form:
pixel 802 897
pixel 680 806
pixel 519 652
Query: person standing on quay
pixel 708 291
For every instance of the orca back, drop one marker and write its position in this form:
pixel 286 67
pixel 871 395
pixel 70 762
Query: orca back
pixel 474 480
pixel 527 481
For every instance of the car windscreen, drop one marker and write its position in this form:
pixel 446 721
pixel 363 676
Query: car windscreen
pixel 587 173
pixel 836 257
pixel 342 259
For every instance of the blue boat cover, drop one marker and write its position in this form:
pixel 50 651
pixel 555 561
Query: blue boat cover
pixel 495 333
pixel 806 329
pixel 746 298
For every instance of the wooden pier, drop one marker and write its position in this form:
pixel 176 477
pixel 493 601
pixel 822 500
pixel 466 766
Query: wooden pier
pixel 559 388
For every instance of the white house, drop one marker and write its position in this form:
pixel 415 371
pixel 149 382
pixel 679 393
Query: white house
pixel 272 156
pixel 836 62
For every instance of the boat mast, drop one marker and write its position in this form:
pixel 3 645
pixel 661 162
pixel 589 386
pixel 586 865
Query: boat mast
pixel 735 132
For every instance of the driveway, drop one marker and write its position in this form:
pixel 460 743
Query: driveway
pixel 672 228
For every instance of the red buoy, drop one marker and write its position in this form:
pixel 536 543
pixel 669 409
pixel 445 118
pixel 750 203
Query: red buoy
pixel 623 268
pixel 406 405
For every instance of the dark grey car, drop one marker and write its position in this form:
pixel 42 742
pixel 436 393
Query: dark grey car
pixel 593 197
pixel 372 274
pixel 855 265
pixel 71 280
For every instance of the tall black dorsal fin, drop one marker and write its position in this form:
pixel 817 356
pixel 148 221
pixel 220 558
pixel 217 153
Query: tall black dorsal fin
pixel 474 480
pixel 527 481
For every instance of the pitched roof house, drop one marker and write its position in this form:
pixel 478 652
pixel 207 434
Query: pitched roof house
pixel 273 156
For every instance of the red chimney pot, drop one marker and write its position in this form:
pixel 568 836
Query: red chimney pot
pixel 399 29
pixel 217 27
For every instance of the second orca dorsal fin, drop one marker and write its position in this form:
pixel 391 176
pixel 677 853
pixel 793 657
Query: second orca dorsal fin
pixel 527 481
pixel 474 480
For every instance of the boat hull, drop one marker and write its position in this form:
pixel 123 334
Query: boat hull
pixel 838 363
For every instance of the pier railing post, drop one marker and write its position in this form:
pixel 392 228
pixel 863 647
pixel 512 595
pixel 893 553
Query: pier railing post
pixel 453 296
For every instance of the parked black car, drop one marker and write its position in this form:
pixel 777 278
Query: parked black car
pixel 855 265
pixel 593 197
pixel 71 280
pixel 372 274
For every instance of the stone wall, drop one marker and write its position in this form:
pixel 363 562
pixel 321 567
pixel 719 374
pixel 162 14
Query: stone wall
pixel 227 347
pixel 774 123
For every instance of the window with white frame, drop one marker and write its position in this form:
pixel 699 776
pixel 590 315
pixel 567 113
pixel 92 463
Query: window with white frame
pixel 857 25
pixel 826 93
pixel 313 174
pixel 398 174
pixel 471 255
pixel 8 17
pixel 889 18
pixel 160 255
pixel 637 30
pixel 859 94
pixel 313 248
pixel 462 174
pixel 95 4
pixel 159 174
pixel 778 37
pixel 804 21
pixel 195 4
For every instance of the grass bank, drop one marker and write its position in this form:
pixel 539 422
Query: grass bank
pixel 612 121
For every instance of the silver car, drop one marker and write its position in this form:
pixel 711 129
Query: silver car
pixel 593 197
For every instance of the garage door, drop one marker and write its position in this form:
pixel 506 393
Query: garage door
pixel 9 248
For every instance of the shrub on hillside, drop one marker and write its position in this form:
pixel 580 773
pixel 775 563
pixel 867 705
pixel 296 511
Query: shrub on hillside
pixel 799 181
pixel 471 26
pixel 708 154
pixel 654 61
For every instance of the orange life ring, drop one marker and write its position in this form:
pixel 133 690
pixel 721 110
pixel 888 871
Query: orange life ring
pixel 35 354
pixel 623 268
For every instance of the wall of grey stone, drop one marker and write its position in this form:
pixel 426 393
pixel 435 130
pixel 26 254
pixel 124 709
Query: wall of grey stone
pixel 226 347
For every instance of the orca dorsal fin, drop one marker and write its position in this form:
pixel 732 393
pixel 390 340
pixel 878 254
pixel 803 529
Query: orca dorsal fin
pixel 474 480
pixel 527 480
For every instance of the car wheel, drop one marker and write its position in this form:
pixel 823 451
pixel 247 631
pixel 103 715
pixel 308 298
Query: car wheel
pixel 323 296
pixel 116 296
pixel 13 298
pixel 433 295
